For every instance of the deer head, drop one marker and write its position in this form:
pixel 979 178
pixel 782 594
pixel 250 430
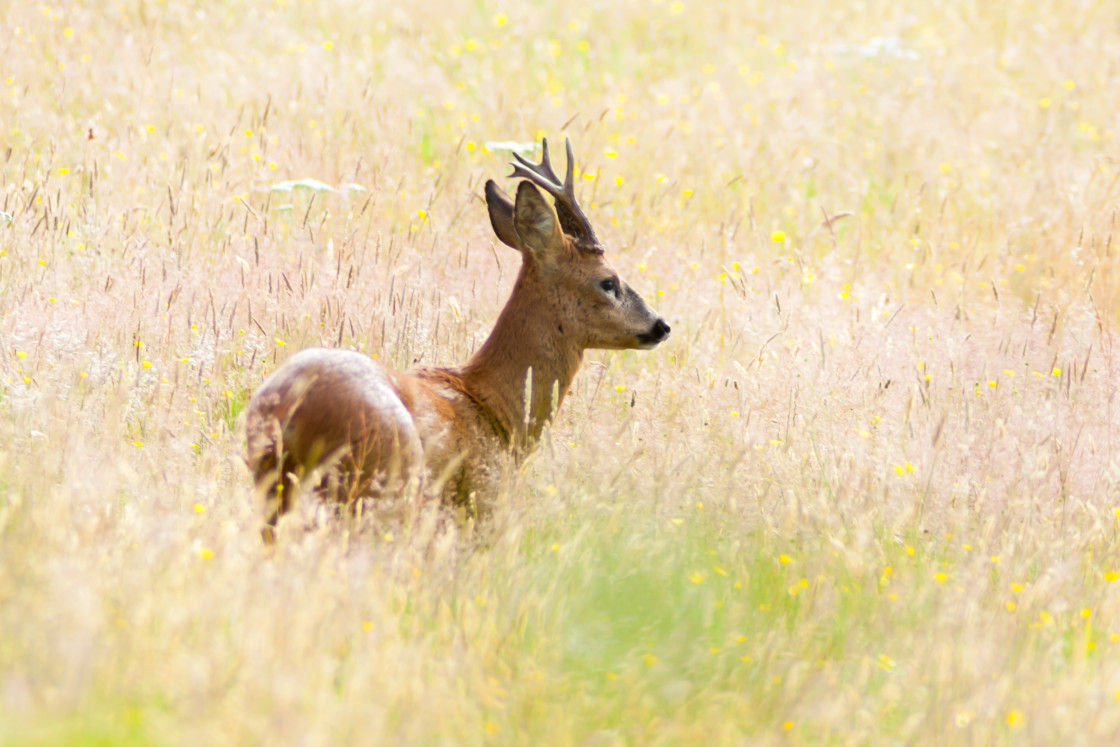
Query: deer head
pixel 564 270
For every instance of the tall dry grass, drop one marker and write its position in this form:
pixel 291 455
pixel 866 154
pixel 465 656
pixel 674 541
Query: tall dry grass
pixel 866 493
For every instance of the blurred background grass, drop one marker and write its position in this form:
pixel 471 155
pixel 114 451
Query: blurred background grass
pixel 866 492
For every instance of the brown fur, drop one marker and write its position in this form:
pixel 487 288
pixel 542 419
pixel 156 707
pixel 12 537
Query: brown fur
pixel 451 430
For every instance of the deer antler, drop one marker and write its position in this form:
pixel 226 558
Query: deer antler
pixel 572 220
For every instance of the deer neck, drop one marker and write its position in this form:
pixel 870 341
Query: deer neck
pixel 527 349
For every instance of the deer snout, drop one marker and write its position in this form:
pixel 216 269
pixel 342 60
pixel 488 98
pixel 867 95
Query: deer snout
pixel 657 334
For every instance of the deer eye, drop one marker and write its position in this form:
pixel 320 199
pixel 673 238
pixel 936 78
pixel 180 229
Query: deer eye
pixel 609 286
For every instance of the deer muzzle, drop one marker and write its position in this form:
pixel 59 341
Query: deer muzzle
pixel 656 335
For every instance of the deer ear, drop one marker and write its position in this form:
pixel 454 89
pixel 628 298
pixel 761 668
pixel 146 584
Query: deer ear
pixel 501 214
pixel 534 220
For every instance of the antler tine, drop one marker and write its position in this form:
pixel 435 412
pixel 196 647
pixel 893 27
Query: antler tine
pixel 540 174
pixel 569 179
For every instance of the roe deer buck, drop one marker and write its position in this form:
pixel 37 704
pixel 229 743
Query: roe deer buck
pixel 381 428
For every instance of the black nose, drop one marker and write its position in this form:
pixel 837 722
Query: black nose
pixel 658 332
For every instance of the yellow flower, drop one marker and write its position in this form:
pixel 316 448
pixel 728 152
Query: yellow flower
pixel 1015 719
pixel 778 236
pixel 500 19
pixel 783 559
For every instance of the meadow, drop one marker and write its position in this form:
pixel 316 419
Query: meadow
pixel 866 493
